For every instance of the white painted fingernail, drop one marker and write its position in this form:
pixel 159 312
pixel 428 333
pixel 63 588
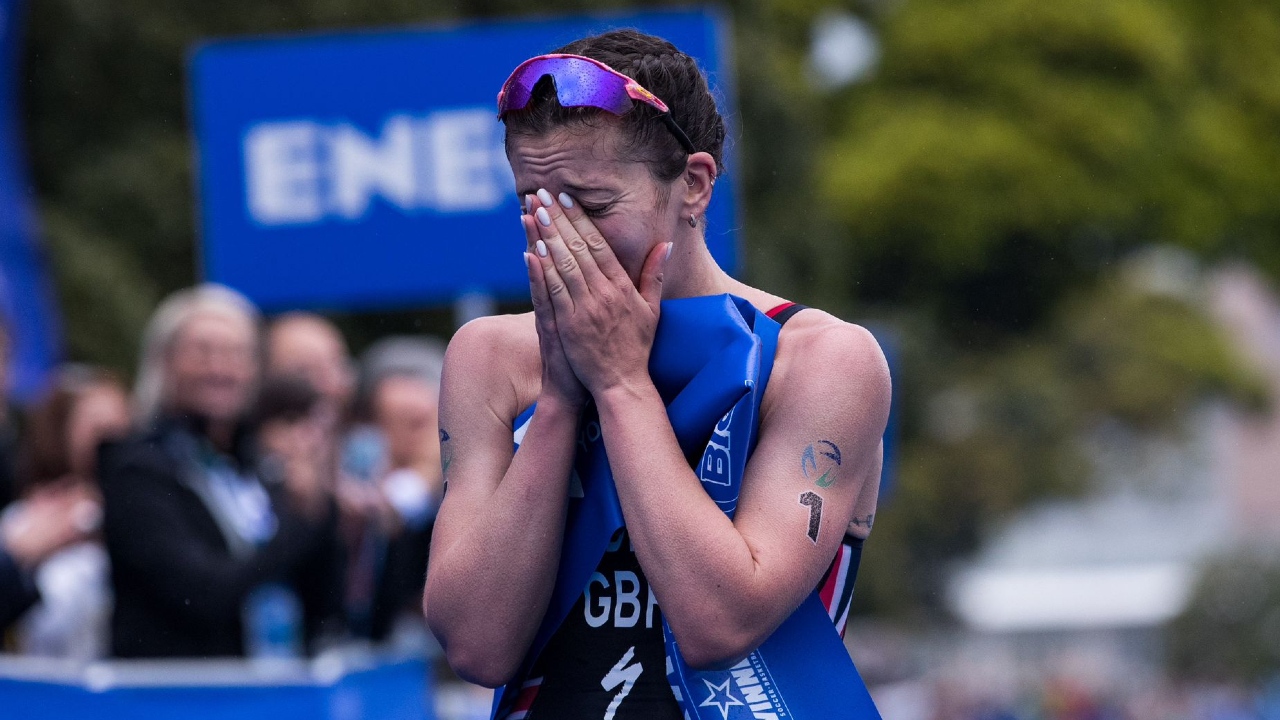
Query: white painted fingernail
pixel 565 200
pixel 670 246
pixel 543 217
pixel 528 204
pixel 542 247
pixel 545 197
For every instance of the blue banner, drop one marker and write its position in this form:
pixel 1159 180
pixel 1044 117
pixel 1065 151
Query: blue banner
pixel 26 304
pixel 217 690
pixel 366 170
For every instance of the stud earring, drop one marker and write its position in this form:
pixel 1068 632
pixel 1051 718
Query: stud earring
pixel 693 222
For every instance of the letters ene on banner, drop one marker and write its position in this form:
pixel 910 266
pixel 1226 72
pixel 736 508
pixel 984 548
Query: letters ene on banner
pixel 301 171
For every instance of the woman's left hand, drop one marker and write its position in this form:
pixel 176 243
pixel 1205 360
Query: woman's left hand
pixel 605 322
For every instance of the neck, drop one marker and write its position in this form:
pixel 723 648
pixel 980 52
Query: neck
pixel 692 272
pixel 221 433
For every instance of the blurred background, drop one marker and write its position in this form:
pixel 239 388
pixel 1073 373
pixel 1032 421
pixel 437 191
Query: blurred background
pixel 1061 219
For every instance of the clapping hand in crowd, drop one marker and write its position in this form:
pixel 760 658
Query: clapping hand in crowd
pixel 49 520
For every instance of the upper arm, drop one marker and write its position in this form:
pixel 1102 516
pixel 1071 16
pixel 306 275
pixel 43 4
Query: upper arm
pixel 478 402
pixel 818 458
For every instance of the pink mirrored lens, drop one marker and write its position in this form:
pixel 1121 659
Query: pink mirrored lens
pixel 579 82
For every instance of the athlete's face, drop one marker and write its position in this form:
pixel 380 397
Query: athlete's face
pixel 632 210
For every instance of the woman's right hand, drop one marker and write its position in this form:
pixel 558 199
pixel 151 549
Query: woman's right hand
pixel 558 379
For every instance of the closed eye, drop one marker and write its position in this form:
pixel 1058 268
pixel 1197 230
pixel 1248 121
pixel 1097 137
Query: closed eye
pixel 594 210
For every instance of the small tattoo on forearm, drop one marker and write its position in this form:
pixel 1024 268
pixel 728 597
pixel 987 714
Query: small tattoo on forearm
pixel 813 501
pixel 446 451
pixel 863 521
pixel 819 462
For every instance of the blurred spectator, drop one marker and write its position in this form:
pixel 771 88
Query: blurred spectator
pixel 301 345
pixel 308 345
pixel 86 407
pixel 290 420
pixel 293 427
pixel 197 531
pixel 388 484
pixel 30 531
pixel 400 386
pixel 405 408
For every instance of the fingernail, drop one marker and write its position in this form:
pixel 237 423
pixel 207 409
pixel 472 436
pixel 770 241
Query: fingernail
pixel 545 197
pixel 528 204
pixel 670 246
pixel 542 247
pixel 543 217
pixel 528 261
pixel 565 200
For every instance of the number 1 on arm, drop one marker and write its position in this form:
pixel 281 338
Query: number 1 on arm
pixel 813 501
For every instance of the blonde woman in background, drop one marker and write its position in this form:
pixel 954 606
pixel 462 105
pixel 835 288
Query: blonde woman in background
pixel 194 524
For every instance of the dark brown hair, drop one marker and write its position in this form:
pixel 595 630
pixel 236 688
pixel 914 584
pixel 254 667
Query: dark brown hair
pixel 664 71
pixel 44 456
pixel 287 398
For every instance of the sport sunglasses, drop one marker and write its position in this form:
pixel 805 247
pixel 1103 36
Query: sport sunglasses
pixel 583 82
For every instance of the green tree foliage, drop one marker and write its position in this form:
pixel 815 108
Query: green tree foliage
pixel 1007 148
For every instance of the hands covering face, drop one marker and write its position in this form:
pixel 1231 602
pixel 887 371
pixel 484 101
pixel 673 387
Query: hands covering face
pixel 595 327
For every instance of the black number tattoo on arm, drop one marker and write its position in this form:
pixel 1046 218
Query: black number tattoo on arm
pixel 813 501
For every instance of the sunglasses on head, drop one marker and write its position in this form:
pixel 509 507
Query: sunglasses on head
pixel 583 82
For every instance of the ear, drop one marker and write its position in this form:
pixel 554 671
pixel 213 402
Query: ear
pixel 699 178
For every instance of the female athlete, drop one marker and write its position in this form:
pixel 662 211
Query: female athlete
pixel 615 142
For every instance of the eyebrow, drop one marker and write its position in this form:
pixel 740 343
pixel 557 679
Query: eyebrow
pixel 573 189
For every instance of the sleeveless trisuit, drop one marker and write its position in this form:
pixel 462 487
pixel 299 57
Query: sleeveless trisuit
pixel 613 637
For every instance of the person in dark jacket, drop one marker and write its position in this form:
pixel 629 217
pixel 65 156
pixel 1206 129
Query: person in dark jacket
pixel 195 524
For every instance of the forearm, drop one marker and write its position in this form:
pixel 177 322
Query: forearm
pixel 488 588
pixel 703 571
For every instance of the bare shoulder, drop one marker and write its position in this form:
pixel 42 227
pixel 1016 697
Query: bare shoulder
pixel 494 333
pixel 821 357
pixel 494 354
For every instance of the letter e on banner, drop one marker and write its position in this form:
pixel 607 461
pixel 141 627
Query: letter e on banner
pixel 283 169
